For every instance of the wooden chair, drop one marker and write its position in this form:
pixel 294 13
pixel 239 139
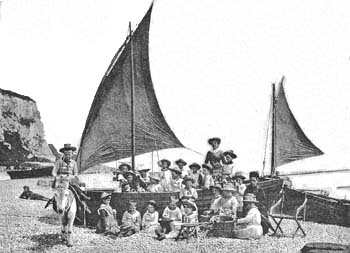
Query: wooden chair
pixel 284 210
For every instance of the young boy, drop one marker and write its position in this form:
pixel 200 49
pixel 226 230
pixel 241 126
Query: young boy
pixel 208 180
pixel 188 192
pixel 172 218
pixel 227 204
pixel 228 168
pixel 184 170
pixel 196 175
pixel 175 181
pixel 240 189
pixel 150 218
pixel 190 215
pixel 143 178
pixel 107 223
pixel 131 221
pixel 155 185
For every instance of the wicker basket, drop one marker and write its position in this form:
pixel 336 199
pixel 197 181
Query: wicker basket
pixel 224 227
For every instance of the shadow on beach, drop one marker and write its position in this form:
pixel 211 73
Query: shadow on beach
pixel 49 219
pixel 45 241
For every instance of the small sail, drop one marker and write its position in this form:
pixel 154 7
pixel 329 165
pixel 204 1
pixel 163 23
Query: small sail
pixel 107 133
pixel 291 144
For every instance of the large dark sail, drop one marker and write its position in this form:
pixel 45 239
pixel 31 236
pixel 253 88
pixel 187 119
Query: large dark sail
pixel 107 134
pixel 291 144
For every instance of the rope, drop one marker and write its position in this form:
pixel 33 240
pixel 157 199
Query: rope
pixel 198 153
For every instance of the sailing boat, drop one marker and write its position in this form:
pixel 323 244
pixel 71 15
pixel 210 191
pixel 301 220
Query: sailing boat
pixel 125 120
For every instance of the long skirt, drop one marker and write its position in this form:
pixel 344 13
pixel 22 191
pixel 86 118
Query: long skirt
pixel 248 232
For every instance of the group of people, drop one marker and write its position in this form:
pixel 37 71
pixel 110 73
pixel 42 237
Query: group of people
pixel 231 197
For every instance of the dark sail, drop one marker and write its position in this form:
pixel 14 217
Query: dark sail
pixel 107 133
pixel 291 144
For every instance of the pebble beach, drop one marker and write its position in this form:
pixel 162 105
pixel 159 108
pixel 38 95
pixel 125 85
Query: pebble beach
pixel 25 226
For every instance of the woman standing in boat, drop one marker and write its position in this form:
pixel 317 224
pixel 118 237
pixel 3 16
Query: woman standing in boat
pixel 214 157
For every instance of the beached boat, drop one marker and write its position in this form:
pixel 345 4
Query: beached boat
pixel 319 208
pixel 125 120
pixel 31 172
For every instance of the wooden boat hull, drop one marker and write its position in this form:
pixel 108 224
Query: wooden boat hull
pixel 119 201
pixel 320 209
pixel 37 172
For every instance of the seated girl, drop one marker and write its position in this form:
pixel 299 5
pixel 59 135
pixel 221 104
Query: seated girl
pixel 107 223
pixel 155 185
pixel 131 221
pixel 150 218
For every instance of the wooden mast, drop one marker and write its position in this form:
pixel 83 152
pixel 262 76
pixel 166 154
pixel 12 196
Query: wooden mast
pixel 273 139
pixel 132 91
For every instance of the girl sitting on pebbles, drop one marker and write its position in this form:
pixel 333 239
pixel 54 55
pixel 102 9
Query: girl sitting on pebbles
pixel 150 218
pixel 131 221
pixel 171 220
pixel 107 223
pixel 190 215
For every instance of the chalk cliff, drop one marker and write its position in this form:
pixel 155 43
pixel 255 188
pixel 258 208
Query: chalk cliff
pixel 22 136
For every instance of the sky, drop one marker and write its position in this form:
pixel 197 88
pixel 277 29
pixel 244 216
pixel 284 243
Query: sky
pixel 212 65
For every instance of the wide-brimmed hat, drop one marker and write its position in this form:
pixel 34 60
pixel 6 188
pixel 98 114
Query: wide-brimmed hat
pixel 180 161
pixel 190 203
pixel 217 139
pixel 194 165
pixel 67 147
pixel 176 170
pixel 230 153
pixel 165 161
pixel 217 186
pixel 105 195
pixel 229 187
pixel 254 174
pixel 155 176
pixel 238 174
pixel 142 169
pixel 250 198
pixel 153 203
pixel 130 173
pixel 26 187
pixel 187 179
pixel 208 167
pixel 124 164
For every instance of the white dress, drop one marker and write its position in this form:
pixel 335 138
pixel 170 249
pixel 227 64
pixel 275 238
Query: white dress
pixel 249 227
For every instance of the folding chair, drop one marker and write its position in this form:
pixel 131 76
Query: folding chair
pixel 278 212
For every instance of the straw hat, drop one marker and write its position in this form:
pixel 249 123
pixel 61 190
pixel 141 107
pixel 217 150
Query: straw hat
pixel 229 187
pixel 130 173
pixel 180 161
pixel 190 203
pixel 142 169
pixel 211 140
pixel 230 153
pixel 187 179
pixel 67 147
pixel 194 165
pixel 155 176
pixel 250 198
pixel 105 195
pixel 239 174
pixel 124 164
pixel 165 161
pixel 176 170
pixel 254 174
pixel 208 167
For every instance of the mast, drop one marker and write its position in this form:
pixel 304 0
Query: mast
pixel 132 91
pixel 273 139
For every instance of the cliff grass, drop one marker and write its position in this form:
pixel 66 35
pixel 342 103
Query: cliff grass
pixel 25 226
